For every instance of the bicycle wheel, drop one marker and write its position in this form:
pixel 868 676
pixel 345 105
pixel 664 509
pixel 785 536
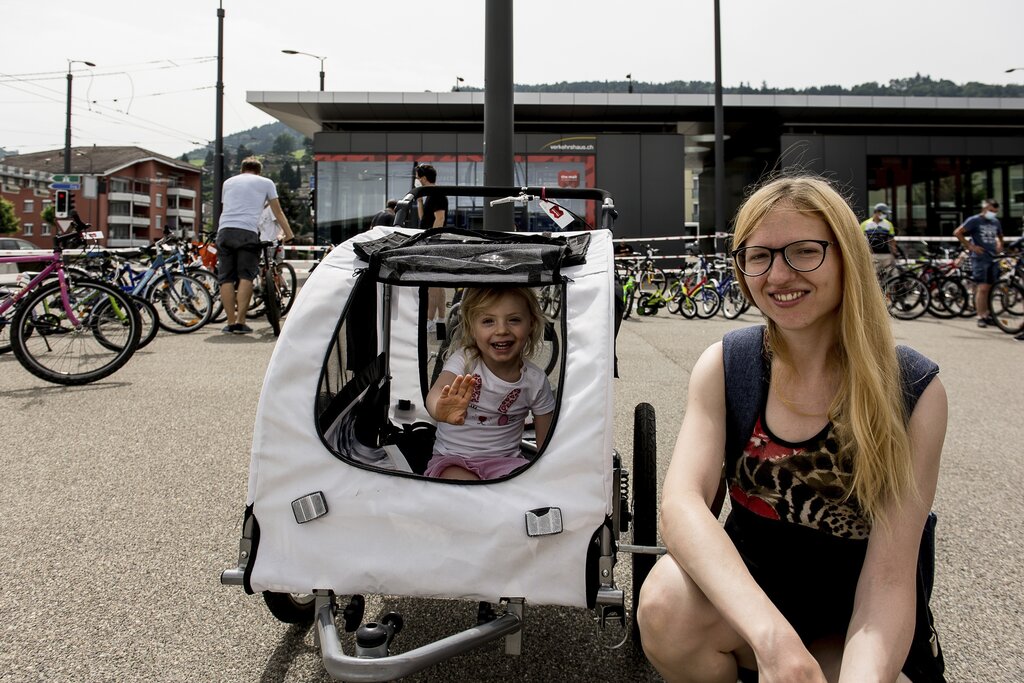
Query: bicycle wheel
pixel 5 334
pixel 209 280
pixel 187 303
pixel 149 317
pixel 708 301
pixel 687 306
pixel 652 281
pixel 734 304
pixel 948 299
pixel 288 286
pixel 547 356
pixel 1006 306
pixel 630 298
pixel 645 499
pixel 271 300
pixel 256 302
pixel 51 347
pixel 906 297
pixel 647 304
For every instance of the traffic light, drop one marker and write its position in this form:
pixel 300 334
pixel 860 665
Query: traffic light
pixel 61 204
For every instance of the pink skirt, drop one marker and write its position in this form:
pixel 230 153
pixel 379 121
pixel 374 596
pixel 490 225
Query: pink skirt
pixel 487 467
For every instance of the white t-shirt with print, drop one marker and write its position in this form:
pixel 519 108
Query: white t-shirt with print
pixel 497 411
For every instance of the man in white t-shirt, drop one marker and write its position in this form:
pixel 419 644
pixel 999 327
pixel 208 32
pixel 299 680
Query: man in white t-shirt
pixel 238 241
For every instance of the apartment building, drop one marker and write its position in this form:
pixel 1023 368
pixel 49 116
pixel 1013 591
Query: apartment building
pixel 128 193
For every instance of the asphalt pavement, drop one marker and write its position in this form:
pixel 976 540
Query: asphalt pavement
pixel 121 503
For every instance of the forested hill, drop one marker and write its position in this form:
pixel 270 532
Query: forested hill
pixel 915 86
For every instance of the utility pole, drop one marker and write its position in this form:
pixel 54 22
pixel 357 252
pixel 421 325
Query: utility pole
pixel 218 145
pixel 720 220
pixel 499 123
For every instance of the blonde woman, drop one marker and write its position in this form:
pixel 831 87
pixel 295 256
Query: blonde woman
pixel 830 438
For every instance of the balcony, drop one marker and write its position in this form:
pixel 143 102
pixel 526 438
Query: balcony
pixel 181 192
pixel 135 221
pixel 142 199
pixel 181 213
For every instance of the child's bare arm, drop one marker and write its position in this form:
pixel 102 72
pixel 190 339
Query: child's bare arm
pixel 542 425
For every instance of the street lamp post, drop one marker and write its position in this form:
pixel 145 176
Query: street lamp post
pixel 458 79
pixel 296 52
pixel 629 78
pixel 67 128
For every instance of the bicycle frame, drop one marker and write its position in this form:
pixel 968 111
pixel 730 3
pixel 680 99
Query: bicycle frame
pixel 56 264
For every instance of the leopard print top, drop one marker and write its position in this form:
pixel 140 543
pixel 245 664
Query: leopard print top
pixel 799 483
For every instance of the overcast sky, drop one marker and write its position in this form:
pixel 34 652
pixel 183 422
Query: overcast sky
pixel 153 85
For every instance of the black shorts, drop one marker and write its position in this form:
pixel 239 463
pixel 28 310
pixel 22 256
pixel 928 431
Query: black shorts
pixel 238 255
pixel 811 576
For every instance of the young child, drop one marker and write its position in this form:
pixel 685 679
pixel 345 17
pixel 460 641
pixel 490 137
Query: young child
pixel 482 396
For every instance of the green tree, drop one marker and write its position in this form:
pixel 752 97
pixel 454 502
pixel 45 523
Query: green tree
pixel 283 144
pixel 289 177
pixel 295 210
pixel 49 214
pixel 184 157
pixel 8 218
pixel 243 152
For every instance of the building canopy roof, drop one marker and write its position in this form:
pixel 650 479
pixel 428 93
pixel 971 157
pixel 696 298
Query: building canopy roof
pixel 93 160
pixel 312 112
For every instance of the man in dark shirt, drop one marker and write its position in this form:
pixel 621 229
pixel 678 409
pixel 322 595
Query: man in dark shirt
pixel 986 241
pixel 387 216
pixel 434 209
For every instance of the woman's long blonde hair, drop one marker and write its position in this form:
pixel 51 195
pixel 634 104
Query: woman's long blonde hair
pixel 868 410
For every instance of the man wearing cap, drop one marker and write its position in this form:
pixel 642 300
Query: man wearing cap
pixel 881 236
pixel 985 233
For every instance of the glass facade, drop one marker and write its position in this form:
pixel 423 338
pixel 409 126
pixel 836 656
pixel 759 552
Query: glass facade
pixel 351 188
pixel 932 195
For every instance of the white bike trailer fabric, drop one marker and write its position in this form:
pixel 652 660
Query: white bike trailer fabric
pixel 401 534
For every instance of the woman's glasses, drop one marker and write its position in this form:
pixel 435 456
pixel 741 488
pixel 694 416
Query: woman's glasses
pixel 803 256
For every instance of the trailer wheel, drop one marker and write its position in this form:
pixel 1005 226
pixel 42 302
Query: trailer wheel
pixel 291 608
pixel 645 499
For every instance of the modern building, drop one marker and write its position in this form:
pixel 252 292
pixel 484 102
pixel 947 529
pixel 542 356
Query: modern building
pixel 933 159
pixel 129 193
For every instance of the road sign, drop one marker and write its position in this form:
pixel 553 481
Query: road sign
pixel 62 178
pixel 65 186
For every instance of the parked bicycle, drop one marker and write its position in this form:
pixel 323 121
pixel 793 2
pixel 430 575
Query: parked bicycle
pixel 73 330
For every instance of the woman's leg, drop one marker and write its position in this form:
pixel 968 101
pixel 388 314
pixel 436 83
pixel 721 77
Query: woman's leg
pixel 683 634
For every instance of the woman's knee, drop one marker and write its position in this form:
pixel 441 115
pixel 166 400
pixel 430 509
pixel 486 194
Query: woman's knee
pixel 672 605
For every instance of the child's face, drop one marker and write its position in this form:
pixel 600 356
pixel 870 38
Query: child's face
pixel 501 331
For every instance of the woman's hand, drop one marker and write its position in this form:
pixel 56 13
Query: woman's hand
pixel 453 403
pixel 788 662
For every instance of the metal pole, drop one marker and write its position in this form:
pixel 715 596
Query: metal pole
pixel 218 148
pixel 67 129
pixel 499 157
pixel 720 220
pixel 321 75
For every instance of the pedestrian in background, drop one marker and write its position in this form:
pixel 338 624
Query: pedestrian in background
pixel 986 241
pixel 385 216
pixel 238 240
pixel 433 211
pixel 881 234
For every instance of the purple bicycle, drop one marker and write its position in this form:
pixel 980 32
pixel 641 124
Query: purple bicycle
pixel 70 330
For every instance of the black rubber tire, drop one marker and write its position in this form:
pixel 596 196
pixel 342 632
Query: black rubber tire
pixel 291 608
pixel 906 297
pixel 645 305
pixel 184 303
pixel 149 317
pixel 1006 306
pixel 630 300
pixel 209 280
pixel 272 302
pixel 707 301
pixel 645 499
pixel 734 304
pixel 289 287
pixel 47 345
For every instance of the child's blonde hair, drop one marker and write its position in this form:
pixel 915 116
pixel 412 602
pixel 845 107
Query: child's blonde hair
pixel 475 300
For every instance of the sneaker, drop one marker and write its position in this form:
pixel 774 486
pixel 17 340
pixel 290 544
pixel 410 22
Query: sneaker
pixel 1019 337
pixel 431 328
pixel 242 328
pixel 983 322
pixel 227 329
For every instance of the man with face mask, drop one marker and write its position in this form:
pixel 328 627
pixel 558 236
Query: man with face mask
pixel 986 235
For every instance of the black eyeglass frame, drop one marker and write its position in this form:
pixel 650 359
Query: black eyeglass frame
pixel 735 253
